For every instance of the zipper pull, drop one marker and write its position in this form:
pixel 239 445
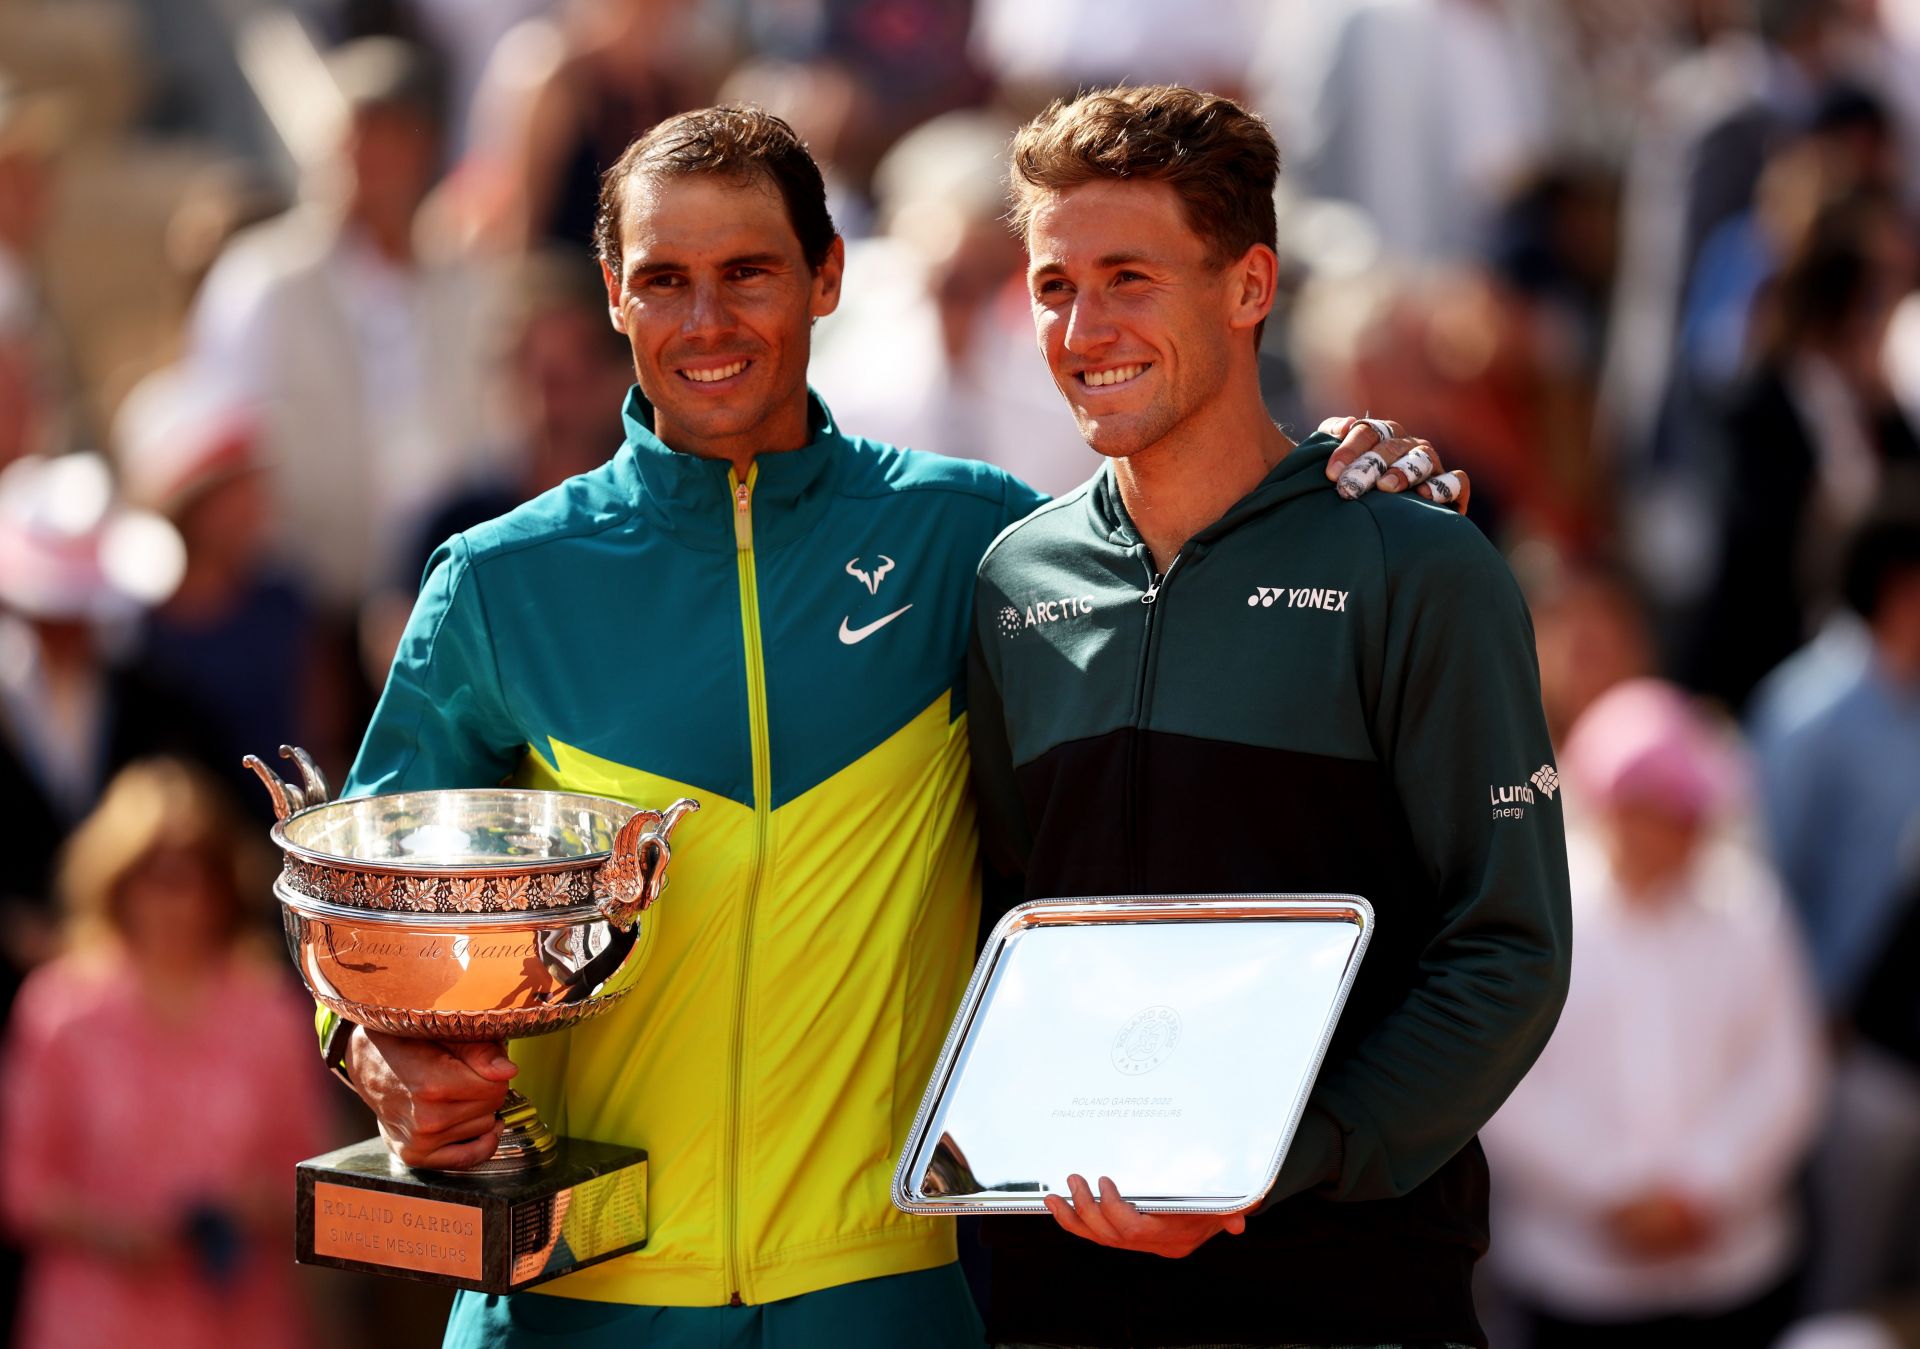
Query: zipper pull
pixel 1153 588
pixel 743 518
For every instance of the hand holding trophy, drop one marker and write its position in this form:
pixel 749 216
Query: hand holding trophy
pixel 468 917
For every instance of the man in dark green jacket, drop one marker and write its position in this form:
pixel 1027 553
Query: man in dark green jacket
pixel 1202 672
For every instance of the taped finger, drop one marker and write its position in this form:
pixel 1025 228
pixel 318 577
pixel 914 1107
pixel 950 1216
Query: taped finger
pixel 1445 489
pixel 1416 466
pixel 1361 475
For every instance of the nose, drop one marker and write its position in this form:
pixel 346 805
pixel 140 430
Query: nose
pixel 706 314
pixel 1089 324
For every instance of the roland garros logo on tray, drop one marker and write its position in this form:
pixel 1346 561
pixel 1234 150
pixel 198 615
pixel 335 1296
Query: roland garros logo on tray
pixel 1147 1040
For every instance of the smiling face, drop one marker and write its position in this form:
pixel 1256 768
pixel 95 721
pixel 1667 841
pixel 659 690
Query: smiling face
pixel 717 301
pixel 1140 327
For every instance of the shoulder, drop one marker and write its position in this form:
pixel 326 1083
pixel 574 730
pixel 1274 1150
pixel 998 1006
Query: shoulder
pixel 1434 558
pixel 278 249
pixel 873 468
pixel 1030 539
pixel 583 506
pixel 1413 527
pixel 64 997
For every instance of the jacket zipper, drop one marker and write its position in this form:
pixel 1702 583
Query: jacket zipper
pixel 762 822
pixel 1149 598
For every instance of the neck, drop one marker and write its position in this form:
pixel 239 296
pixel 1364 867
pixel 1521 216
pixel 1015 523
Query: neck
pixel 789 428
pixel 1194 474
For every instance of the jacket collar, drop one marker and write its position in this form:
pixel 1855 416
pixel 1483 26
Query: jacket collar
pixel 1296 475
pixel 692 498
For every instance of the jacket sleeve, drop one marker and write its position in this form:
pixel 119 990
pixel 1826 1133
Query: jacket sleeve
pixel 1004 836
pixel 1459 724
pixel 443 719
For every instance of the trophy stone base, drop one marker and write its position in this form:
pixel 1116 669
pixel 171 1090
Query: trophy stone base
pixel 359 1208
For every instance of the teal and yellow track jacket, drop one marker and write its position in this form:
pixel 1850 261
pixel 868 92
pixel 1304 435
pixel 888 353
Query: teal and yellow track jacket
pixel 788 650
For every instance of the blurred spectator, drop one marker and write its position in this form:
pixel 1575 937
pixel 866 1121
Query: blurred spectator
pixel 1884 1062
pixel 76 569
pixel 563 96
pixel 1042 49
pixel 1805 442
pixel 367 355
pixel 28 363
pixel 1842 791
pixel 896 63
pixel 237 636
pixel 1589 632
pixel 1643 1171
pixel 560 384
pixel 1423 112
pixel 161 1083
pixel 1706 131
pixel 26 136
pixel 1848 149
pixel 932 347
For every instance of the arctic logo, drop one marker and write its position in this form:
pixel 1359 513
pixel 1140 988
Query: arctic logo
pixel 1302 597
pixel 1041 612
pixel 871 580
pixel 1546 780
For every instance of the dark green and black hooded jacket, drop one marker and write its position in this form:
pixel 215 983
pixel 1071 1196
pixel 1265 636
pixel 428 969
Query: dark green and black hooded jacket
pixel 1316 696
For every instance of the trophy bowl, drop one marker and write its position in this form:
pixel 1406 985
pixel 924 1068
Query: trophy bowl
pixel 466 915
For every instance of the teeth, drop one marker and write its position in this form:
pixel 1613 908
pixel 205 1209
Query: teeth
pixel 1099 378
pixel 709 376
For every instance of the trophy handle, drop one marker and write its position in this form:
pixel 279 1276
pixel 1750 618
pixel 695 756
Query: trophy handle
pixel 632 879
pixel 287 798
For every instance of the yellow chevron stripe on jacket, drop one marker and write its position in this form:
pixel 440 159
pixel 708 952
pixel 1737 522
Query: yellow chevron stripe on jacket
pixel 842 1012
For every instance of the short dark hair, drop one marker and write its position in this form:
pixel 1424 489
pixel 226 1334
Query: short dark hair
pixel 736 141
pixel 1219 158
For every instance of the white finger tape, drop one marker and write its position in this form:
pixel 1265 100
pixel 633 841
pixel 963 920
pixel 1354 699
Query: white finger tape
pixel 1445 488
pixel 1380 428
pixel 1416 465
pixel 1361 475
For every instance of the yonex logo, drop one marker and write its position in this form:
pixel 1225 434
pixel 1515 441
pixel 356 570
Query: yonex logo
pixel 1299 597
pixel 1546 780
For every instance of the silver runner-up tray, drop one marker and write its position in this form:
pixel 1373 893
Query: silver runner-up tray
pixel 1168 1042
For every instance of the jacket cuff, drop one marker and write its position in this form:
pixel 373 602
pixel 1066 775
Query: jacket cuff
pixel 1313 1159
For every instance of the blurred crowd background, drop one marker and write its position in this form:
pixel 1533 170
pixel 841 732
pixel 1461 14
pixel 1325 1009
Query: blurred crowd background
pixel 292 289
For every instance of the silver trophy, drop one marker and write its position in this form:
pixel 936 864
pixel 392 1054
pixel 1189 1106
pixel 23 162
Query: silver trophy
pixel 468 915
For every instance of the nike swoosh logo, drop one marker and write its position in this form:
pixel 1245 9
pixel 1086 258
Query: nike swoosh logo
pixel 849 636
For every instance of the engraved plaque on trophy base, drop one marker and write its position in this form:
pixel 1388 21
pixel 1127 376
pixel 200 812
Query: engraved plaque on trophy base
pixel 359 1208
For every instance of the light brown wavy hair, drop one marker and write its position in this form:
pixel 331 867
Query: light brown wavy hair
pixel 151 805
pixel 1219 159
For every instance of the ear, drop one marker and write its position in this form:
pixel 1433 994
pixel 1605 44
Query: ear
pixel 826 281
pixel 612 283
pixel 1253 283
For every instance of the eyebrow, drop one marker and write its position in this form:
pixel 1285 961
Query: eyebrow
pixel 1105 262
pixel 640 271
